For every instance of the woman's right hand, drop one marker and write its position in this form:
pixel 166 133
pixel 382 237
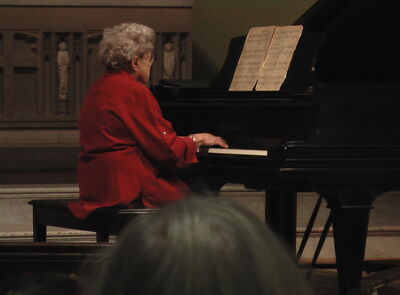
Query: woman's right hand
pixel 208 139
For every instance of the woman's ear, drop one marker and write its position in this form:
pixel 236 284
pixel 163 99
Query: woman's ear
pixel 135 63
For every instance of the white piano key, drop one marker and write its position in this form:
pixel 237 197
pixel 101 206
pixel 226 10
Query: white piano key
pixel 242 152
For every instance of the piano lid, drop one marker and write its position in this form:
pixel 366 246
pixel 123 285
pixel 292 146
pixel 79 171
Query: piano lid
pixel 362 40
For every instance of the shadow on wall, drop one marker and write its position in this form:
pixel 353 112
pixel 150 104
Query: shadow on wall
pixel 210 68
pixel 216 22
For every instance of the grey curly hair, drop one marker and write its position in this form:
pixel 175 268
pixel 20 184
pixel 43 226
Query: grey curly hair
pixel 121 43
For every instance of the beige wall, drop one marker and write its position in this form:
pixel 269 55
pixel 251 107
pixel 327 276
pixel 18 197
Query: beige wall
pixel 99 2
pixel 215 22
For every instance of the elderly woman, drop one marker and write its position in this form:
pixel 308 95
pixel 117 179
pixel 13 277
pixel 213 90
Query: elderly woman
pixel 129 152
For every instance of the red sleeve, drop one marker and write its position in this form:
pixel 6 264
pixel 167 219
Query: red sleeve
pixel 154 134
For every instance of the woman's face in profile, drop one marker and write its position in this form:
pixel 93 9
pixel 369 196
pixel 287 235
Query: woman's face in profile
pixel 144 66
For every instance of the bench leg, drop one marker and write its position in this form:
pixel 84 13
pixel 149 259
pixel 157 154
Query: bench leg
pixel 39 232
pixel 102 237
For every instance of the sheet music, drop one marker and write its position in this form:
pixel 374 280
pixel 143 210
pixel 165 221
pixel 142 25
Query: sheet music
pixel 254 51
pixel 278 58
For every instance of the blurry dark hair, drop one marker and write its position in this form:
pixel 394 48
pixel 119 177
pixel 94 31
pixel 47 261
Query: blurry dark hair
pixel 41 284
pixel 199 246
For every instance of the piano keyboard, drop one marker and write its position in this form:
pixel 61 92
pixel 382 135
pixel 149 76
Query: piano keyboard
pixel 239 152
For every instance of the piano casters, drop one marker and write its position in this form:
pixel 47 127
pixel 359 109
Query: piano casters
pixel 280 213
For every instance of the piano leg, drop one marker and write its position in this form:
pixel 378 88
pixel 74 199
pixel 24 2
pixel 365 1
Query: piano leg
pixel 350 212
pixel 280 213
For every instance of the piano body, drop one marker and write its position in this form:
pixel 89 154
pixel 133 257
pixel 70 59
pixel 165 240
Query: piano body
pixel 338 136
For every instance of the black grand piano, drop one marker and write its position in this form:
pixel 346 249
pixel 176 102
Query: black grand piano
pixel 338 135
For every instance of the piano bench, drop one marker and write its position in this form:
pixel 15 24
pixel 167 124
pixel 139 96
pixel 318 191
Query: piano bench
pixel 104 221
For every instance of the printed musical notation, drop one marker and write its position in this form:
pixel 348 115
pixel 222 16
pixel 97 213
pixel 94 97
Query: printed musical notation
pixel 265 58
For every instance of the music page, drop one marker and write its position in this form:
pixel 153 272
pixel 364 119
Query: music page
pixel 251 59
pixel 278 58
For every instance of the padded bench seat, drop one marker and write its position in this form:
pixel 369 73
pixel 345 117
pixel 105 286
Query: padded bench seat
pixel 104 221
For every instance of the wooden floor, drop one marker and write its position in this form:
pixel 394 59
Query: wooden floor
pixel 324 282
pixel 68 257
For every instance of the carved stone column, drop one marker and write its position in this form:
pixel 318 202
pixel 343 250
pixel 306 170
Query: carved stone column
pixel 63 61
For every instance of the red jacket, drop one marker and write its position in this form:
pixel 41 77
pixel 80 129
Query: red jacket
pixel 128 150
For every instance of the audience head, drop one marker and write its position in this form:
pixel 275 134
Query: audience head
pixel 121 43
pixel 199 246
